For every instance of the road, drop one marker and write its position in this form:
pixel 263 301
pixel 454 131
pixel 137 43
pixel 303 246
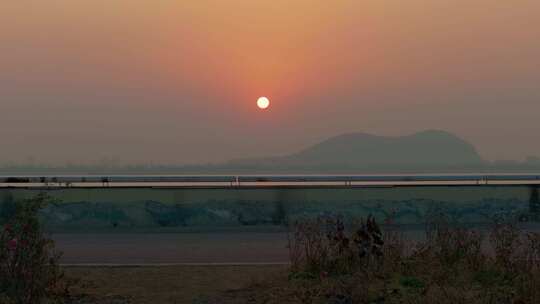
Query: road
pixel 193 248
pixel 169 248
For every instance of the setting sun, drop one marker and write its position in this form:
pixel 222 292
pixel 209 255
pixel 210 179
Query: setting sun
pixel 263 102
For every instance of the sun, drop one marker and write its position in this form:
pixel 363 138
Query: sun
pixel 263 102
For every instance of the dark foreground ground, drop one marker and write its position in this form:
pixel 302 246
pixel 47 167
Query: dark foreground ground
pixel 166 284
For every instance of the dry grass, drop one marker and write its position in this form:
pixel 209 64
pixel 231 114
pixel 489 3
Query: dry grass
pixel 453 265
pixel 160 285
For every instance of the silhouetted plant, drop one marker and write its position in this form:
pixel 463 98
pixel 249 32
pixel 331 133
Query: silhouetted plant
pixel 323 247
pixel 505 239
pixel 330 264
pixel 29 269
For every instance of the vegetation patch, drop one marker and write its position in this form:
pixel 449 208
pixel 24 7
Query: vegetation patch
pixel 331 263
pixel 29 269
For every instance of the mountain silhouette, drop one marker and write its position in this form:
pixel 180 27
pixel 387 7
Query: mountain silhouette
pixel 431 151
pixel 427 150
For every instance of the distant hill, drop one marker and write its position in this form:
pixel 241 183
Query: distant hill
pixel 427 150
pixel 431 151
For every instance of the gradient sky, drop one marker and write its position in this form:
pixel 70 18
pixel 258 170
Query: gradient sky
pixel 176 81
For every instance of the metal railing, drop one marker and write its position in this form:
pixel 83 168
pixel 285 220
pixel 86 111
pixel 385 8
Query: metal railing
pixel 262 180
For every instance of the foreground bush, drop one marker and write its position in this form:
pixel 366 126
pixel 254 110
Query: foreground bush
pixel 332 264
pixel 29 270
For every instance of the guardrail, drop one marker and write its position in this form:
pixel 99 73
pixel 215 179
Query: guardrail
pixel 261 180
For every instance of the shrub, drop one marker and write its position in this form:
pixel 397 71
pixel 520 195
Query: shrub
pixel 330 264
pixel 29 269
pixel 323 246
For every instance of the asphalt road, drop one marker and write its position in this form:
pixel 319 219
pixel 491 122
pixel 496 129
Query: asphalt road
pixel 190 248
pixel 169 248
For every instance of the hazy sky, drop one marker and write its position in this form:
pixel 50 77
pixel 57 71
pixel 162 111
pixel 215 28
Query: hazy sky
pixel 176 81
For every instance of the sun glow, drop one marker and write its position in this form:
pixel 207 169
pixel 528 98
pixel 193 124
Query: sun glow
pixel 263 103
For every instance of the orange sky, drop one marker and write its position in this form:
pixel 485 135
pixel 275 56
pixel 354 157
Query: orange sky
pixel 129 77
